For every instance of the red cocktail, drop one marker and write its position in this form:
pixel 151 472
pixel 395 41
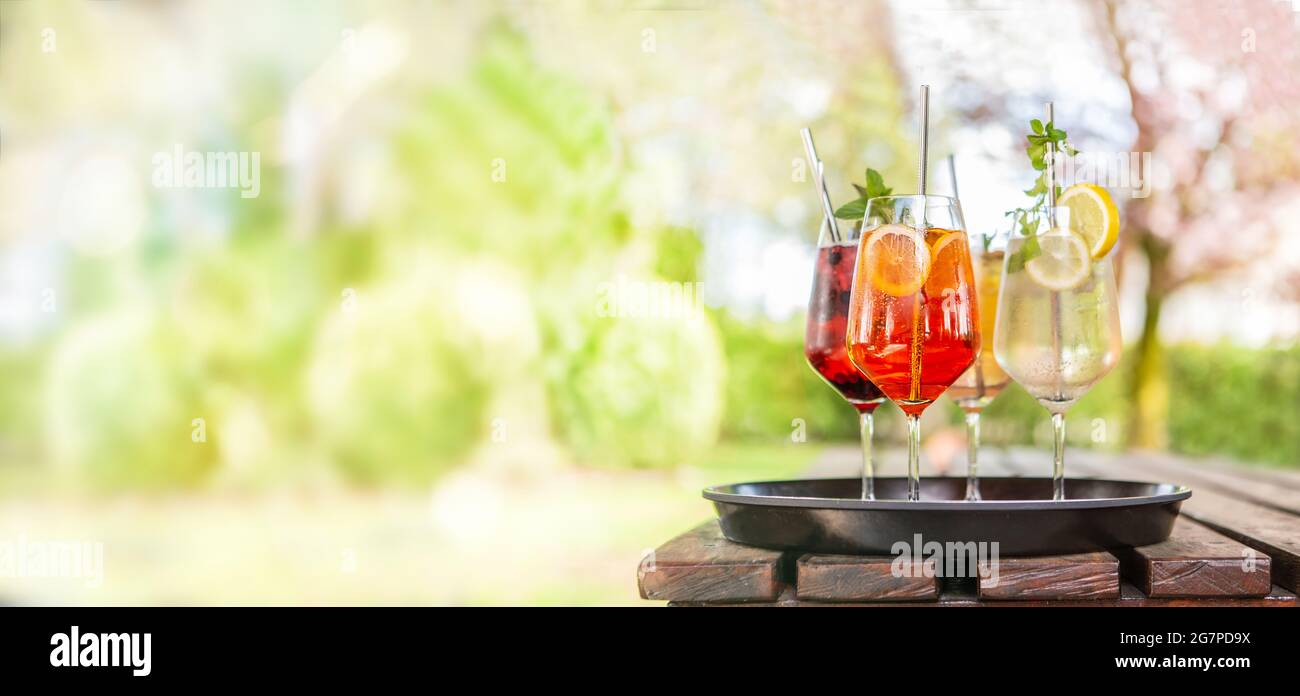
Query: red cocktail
pixel 824 346
pixel 828 316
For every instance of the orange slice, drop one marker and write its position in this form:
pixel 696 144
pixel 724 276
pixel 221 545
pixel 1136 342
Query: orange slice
pixel 946 260
pixel 944 241
pixel 897 260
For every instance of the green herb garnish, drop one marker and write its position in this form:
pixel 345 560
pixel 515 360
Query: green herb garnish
pixel 857 209
pixel 1029 219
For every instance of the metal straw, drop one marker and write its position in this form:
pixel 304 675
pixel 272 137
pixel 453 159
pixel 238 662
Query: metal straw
pixel 952 173
pixel 925 136
pixel 1058 483
pixel 914 392
pixel 820 170
pixel 1051 169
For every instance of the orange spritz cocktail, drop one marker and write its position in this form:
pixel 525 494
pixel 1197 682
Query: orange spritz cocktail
pixel 916 326
pixel 913 323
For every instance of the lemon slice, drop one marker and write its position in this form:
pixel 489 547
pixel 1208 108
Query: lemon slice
pixel 1064 262
pixel 897 260
pixel 1093 215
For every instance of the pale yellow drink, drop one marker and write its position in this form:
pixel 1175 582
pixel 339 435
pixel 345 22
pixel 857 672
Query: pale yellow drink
pixel 1057 343
pixel 1058 325
pixel 980 383
pixel 985 379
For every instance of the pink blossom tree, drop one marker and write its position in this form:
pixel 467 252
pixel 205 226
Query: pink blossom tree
pixel 1214 95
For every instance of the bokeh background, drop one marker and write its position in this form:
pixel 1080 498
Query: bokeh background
pixel 417 366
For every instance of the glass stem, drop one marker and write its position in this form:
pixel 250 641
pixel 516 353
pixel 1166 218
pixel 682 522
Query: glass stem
pixel 913 457
pixel 867 428
pixel 972 455
pixel 1058 465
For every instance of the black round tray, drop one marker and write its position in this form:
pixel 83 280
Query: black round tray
pixel 828 516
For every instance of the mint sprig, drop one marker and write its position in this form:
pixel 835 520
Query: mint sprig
pixel 874 188
pixel 1029 219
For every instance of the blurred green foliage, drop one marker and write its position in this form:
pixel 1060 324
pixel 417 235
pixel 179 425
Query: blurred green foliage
pixel 1236 402
pixel 528 206
pixel 770 384
pixel 387 346
pixel 121 405
pixel 382 347
pixel 411 404
pixel 1227 400
pixel 514 162
pixel 642 393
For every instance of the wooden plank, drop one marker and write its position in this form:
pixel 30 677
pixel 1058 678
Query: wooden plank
pixel 1279 477
pixel 1129 596
pixel 1196 562
pixel 1271 532
pixel 1075 576
pixel 826 578
pixel 703 566
pixel 1232 484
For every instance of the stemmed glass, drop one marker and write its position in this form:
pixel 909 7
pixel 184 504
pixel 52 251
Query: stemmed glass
pixel 828 311
pixel 978 386
pixel 1057 329
pixel 913 326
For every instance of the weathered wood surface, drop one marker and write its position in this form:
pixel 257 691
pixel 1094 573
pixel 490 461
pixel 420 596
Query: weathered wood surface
pixel 1281 477
pixel 1195 565
pixel 826 578
pixel 1233 483
pixel 1074 576
pixel 703 566
pixel 1237 544
pixel 1129 596
pixel 1196 562
pixel 1269 531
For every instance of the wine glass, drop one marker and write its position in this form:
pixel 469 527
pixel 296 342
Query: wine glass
pixel 979 385
pixel 824 347
pixel 913 324
pixel 1057 329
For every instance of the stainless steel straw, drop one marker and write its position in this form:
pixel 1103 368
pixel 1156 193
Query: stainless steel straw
pixel 1051 169
pixel 913 458
pixel 925 137
pixel 952 174
pixel 1058 474
pixel 819 170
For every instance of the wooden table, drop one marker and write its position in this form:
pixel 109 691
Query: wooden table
pixel 1237 543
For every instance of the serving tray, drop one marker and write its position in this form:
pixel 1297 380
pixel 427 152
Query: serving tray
pixel 828 516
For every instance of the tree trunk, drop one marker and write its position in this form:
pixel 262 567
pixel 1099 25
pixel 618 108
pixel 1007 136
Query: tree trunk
pixel 1148 387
